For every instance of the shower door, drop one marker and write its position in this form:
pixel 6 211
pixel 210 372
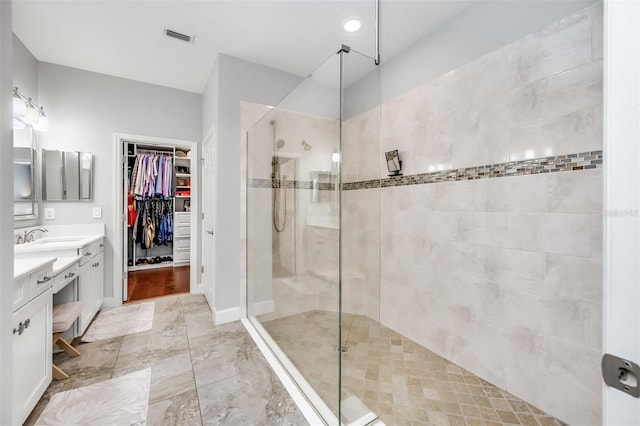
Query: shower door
pixel 296 272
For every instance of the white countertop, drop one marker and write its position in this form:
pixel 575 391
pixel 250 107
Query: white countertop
pixel 52 244
pixel 22 267
pixel 63 263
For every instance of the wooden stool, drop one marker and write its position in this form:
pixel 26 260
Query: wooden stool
pixel 63 317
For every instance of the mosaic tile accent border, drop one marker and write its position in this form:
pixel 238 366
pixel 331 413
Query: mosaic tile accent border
pixel 289 184
pixel 559 163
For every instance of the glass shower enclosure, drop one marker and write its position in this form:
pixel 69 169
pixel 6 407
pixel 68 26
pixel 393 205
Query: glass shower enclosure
pixel 312 249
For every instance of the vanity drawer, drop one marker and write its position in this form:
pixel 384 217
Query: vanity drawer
pixel 91 250
pixel 183 230
pixel 20 292
pixel 30 286
pixel 182 244
pixel 65 277
pixel 40 281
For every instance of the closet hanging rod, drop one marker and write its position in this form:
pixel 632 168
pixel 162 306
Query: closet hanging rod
pixel 154 152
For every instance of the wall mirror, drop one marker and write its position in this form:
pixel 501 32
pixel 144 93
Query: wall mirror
pixel 24 191
pixel 67 175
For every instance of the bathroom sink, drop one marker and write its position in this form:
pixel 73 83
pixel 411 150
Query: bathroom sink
pixel 49 240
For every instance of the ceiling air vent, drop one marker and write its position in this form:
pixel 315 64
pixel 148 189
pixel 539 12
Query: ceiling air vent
pixel 179 36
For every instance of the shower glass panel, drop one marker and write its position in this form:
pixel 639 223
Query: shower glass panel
pixel 313 243
pixel 293 227
pixel 365 383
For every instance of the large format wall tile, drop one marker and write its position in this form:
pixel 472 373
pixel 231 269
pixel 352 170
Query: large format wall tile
pixel 501 276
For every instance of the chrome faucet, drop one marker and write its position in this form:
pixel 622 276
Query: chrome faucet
pixel 28 235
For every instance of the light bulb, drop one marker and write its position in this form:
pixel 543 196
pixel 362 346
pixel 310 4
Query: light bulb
pixel 17 124
pixel 19 107
pixel 43 124
pixel 32 116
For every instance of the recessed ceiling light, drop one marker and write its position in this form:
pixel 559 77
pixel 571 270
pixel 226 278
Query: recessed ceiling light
pixel 352 25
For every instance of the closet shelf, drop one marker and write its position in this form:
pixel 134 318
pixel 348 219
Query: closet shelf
pixel 147 266
pixel 183 174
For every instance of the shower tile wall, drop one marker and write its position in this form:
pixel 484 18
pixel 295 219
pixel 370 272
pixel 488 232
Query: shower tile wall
pixel 501 276
pixel 311 287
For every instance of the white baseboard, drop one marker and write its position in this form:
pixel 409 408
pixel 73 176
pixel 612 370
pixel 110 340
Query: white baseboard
pixel 196 289
pixel 111 302
pixel 224 316
pixel 264 307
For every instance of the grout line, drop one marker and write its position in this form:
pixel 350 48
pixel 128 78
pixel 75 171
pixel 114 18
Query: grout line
pixel 193 372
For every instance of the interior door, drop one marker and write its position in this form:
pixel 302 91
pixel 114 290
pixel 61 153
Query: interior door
pixel 622 201
pixel 208 220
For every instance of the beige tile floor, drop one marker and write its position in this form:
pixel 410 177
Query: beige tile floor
pixel 200 373
pixel 399 380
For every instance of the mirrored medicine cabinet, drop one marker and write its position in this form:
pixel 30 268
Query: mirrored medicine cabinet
pixel 67 175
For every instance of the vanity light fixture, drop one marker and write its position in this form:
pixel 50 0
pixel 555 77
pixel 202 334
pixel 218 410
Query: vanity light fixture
pixel 352 25
pixel 25 111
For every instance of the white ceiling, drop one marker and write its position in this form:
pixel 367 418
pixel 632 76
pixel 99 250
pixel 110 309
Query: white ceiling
pixel 125 38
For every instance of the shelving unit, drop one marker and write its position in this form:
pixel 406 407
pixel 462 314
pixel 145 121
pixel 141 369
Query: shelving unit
pixel 182 210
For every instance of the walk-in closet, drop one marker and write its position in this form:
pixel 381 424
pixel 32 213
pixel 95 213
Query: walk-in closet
pixel 158 214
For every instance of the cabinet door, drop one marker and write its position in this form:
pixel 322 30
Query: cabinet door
pixel 32 354
pixel 97 281
pixel 85 295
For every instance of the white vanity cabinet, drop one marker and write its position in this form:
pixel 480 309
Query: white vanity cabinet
pixel 90 283
pixel 32 345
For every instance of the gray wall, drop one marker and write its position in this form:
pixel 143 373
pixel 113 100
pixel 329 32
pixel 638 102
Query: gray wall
pixel 479 29
pixel 234 80
pixel 85 110
pixel 6 213
pixel 25 70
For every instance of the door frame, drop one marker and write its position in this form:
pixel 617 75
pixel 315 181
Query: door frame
pixel 209 293
pixel 119 257
pixel 621 244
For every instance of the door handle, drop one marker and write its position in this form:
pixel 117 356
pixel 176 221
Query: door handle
pixel 210 232
pixel 621 374
pixel 44 280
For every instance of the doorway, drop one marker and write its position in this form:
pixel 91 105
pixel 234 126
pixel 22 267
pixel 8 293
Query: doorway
pixel 158 250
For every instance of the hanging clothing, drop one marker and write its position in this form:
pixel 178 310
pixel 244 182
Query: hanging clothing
pixel 131 211
pixel 152 176
pixel 153 224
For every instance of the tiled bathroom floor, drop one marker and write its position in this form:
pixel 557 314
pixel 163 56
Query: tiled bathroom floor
pixel 399 380
pixel 200 373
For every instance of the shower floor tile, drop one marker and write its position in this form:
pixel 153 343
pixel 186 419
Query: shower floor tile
pixel 399 380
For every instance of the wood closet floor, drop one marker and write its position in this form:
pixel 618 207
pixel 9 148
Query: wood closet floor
pixel 157 282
